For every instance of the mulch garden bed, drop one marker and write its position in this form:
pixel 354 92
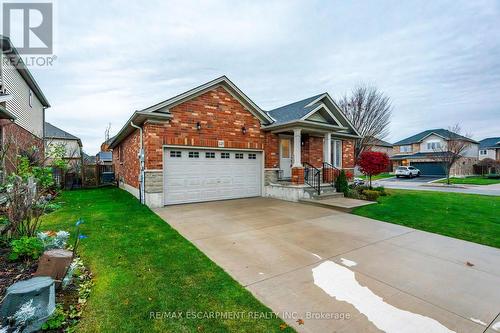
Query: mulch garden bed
pixel 12 272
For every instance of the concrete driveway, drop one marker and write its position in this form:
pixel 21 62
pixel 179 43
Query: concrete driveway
pixel 344 273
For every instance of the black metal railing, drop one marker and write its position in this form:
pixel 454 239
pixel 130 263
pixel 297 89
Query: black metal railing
pixel 330 173
pixel 312 177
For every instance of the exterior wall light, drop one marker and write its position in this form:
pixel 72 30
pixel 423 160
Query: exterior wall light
pixel 198 126
pixel 244 130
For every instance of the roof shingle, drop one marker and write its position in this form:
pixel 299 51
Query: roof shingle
pixel 440 131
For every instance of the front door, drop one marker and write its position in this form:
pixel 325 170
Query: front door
pixel 286 156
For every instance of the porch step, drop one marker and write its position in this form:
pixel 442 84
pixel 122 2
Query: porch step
pixel 338 203
pixel 327 190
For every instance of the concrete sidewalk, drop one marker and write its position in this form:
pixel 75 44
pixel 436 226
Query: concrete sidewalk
pixel 344 273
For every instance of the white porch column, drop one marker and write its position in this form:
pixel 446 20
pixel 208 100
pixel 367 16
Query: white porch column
pixel 327 149
pixel 297 163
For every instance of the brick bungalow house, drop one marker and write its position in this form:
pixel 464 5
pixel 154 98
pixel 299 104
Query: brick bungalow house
pixel 22 108
pixel 212 143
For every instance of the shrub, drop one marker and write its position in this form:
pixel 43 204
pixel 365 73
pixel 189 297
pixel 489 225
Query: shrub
pixel 381 191
pixel 56 320
pixel 493 176
pixel 371 195
pixel 341 184
pixel 50 207
pixel 353 194
pixel 52 240
pixel 26 247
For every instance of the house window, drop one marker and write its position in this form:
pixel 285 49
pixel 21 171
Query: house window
pixel 405 149
pixel 238 156
pixel 483 152
pixel 337 153
pixel 30 98
pixel 210 154
pixel 252 156
pixel 175 153
pixel 433 145
pixel 194 154
pixel 224 155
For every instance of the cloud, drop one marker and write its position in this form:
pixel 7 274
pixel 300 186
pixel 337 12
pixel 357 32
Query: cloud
pixel 439 62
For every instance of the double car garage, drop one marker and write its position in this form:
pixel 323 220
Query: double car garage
pixel 196 175
pixel 434 169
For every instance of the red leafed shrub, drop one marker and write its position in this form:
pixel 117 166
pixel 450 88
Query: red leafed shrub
pixel 372 163
pixel 349 174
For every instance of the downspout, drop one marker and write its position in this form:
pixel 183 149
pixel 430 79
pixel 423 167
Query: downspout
pixel 141 163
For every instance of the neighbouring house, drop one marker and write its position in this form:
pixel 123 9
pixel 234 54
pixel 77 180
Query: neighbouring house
pixel 378 145
pixel 374 144
pixel 489 148
pixel 22 109
pixel 213 142
pixel 104 158
pixel 418 150
pixel 54 136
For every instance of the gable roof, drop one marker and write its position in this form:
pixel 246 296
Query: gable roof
pixel 10 51
pixel 293 111
pixel 489 143
pixel 53 132
pixel 445 134
pixel 301 110
pixel 220 81
pixel 160 111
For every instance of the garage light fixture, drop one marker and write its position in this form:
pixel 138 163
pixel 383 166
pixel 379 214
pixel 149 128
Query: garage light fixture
pixel 198 126
pixel 244 130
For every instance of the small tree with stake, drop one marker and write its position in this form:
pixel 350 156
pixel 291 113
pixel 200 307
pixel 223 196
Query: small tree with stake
pixel 372 163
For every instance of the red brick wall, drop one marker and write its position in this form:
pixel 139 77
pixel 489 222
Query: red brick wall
pixel 271 150
pixel 297 175
pixel 312 150
pixel 221 117
pixel 348 160
pixel 129 168
pixel 18 140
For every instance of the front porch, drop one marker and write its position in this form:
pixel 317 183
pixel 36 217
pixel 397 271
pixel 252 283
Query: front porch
pixel 308 162
pixel 306 154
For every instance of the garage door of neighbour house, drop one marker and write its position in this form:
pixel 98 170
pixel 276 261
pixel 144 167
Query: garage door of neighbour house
pixel 195 175
pixel 429 168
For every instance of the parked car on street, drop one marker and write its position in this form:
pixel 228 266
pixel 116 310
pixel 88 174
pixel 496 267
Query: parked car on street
pixel 407 171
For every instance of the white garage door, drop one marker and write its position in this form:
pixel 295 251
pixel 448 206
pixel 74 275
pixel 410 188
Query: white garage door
pixel 193 175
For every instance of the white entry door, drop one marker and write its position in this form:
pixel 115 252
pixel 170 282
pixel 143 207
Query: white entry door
pixel 194 175
pixel 286 156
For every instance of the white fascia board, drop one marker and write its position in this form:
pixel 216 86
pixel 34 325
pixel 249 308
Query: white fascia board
pixel 339 110
pixel 321 106
pixel 261 114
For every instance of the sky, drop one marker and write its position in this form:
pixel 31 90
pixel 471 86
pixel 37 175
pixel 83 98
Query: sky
pixel 438 61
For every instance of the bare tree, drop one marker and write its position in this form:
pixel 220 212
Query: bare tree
pixel 106 132
pixel 452 151
pixel 369 110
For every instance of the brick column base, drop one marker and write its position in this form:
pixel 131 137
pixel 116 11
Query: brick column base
pixel 297 176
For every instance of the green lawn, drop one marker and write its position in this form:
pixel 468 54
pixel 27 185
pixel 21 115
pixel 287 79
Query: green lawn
pixel 470 217
pixel 473 180
pixel 141 265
